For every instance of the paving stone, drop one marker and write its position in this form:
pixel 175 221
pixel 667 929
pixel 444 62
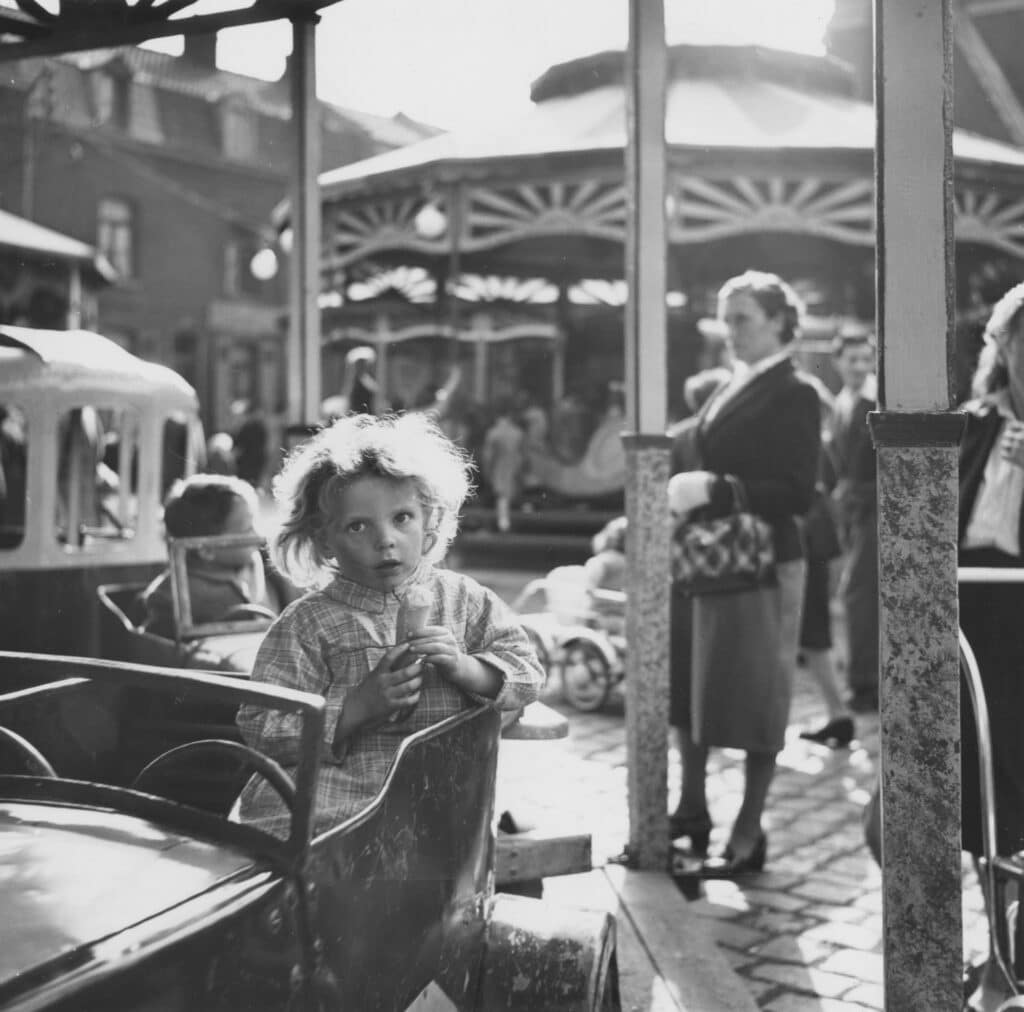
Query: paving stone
pixel 869 995
pixel 805 979
pixel 867 938
pixel 842 914
pixel 770 896
pixel 794 949
pixel 827 892
pixel 865 966
pixel 806 1003
pixel 734 936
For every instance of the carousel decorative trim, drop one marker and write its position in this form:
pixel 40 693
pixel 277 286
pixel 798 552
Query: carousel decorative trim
pixel 991 219
pixel 702 210
pixel 358 229
pixel 699 210
pixel 592 207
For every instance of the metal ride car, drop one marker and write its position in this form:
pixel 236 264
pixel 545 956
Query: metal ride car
pixel 121 896
pixel 578 634
pixel 90 439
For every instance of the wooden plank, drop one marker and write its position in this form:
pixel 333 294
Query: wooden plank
pixel 693 968
pixel 641 988
pixel 536 722
pixel 667 961
pixel 524 857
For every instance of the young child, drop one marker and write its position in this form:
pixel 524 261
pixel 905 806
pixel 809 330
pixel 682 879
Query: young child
pixel 219 579
pixel 371 505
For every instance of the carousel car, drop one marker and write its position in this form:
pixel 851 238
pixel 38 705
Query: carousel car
pixel 119 894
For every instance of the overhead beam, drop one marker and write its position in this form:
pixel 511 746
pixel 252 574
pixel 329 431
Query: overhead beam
pixel 57 39
pixel 989 73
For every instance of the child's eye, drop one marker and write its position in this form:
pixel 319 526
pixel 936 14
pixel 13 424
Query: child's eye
pixel 356 527
pixel 403 517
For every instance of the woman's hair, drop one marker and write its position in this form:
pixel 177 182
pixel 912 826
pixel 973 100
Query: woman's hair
pixel 772 294
pixel 201 504
pixel 407 446
pixel 991 373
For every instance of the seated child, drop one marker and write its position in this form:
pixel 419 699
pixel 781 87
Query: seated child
pixel 219 579
pixel 371 505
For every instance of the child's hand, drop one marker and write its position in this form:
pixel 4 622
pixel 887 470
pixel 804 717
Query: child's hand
pixel 436 645
pixel 385 691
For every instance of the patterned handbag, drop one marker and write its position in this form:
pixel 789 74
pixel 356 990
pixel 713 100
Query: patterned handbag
pixel 730 553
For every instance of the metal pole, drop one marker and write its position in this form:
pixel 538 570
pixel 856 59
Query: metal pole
pixel 304 263
pixel 916 437
pixel 647 447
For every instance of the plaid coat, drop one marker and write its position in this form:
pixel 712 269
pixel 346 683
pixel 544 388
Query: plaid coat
pixel 328 641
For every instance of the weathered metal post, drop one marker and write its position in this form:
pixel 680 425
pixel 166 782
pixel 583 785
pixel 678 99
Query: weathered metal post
pixel 647 447
pixel 916 437
pixel 304 263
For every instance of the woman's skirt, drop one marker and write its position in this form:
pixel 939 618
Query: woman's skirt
pixel 742 658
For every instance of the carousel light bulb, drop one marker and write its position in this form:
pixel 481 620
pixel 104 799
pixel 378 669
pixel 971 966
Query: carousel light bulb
pixel 430 222
pixel 264 264
pixel 286 240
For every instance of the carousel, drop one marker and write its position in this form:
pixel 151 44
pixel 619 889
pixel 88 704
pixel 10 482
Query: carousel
pixel 496 257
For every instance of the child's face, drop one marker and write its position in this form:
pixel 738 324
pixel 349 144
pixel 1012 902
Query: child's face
pixel 377 533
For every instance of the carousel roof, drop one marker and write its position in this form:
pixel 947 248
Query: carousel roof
pixel 719 97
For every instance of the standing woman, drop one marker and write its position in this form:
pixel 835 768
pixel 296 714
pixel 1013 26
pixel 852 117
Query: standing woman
pixel 991 533
pixel 760 430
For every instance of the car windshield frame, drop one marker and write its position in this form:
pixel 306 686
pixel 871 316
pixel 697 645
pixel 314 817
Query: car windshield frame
pixel 55 674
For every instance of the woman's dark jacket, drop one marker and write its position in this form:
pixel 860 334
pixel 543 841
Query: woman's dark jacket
pixel 769 436
pixel 983 427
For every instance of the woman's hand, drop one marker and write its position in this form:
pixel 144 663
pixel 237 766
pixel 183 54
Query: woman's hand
pixel 1011 444
pixel 688 491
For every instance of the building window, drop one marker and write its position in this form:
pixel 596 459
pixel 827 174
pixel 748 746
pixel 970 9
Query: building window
pixel 113 95
pixel 238 124
pixel 233 268
pixel 115 235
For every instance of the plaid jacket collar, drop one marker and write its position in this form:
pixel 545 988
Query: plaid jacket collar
pixel 369 599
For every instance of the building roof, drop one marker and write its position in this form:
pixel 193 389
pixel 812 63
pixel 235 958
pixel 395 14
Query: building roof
pixel 718 98
pixel 28 237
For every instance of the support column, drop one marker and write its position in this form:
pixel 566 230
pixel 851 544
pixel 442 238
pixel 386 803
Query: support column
pixel 304 264
pixel 916 437
pixel 647 447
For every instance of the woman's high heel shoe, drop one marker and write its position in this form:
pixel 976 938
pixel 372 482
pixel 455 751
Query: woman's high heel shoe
pixel 837 732
pixel 696 827
pixel 728 865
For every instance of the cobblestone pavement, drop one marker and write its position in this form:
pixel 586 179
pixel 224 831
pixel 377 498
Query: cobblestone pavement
pixel 806 933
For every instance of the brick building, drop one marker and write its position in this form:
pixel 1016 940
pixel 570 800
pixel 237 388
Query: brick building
pixel 171 167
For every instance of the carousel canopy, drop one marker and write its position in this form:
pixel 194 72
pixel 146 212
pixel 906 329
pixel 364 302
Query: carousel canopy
pixel 764 147
pixel 720 97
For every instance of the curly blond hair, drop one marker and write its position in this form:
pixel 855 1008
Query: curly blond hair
pixel 403 446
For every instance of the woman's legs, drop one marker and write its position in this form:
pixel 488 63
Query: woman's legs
pixel 693 797
pixel 746 831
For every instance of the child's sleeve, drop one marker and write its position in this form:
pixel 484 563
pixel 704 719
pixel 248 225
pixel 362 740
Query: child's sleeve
pixel 495 636
pixel 289 656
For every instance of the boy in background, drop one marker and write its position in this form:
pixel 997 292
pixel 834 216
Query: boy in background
pixel 219 579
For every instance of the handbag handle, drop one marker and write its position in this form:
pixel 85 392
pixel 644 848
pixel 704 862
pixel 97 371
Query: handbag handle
pixel 739 494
